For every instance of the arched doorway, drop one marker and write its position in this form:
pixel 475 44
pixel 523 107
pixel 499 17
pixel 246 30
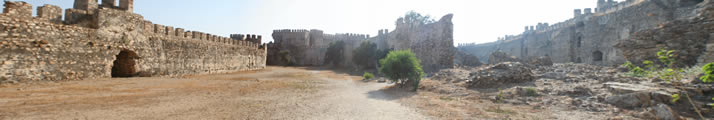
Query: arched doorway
pixel 597 56
pixel 125 64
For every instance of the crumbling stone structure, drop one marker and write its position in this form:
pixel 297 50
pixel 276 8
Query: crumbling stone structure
pixel 591 37
pixel 96 41
pixel 308 47
pixel 432 43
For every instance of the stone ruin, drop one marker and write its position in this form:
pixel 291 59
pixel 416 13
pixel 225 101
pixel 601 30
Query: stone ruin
pixel 432 43
pixel 615 32
pixel 101 41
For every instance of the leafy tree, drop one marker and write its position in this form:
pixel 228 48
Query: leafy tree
pixel 402 67
pixel 365 55
pixel 415 17
pixel 334 52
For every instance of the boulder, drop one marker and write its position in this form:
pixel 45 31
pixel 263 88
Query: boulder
pixel 499 57
pixel 541 61
pixel 661 112
pixel 500 74
pixel 631 100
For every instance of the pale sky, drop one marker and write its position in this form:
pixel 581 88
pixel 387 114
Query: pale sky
pixel 475 21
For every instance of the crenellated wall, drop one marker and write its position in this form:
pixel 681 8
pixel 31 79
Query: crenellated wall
pixel 590 37
pixel 110 42
pixel 308 47
pixel 432 43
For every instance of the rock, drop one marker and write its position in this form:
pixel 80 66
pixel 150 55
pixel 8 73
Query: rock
pixel 499 57
pixel 554 75
pixel 541 61
pixel 624 88
pixel 500 74
pixel 467 59
pixel 661 112
pixel 631 100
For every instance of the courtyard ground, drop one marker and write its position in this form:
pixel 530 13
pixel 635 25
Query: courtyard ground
pixel 273 93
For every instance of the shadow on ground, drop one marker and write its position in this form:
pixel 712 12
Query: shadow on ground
pixel 390 93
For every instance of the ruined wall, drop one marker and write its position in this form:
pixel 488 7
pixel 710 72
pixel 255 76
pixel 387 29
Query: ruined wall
pixel 693 40
pixel 308 47
pixel 432 43
pixel 590 37
pixel 39 49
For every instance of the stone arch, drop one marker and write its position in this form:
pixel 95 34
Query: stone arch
pixel 125 64
pixel 597 56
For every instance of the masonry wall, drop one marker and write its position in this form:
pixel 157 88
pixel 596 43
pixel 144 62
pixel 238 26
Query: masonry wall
pixel 589 37
pixel 36 49
pixel 432 43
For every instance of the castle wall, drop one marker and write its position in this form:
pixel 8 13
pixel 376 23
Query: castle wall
pixel 37 49
pixel 587 38
pixel 432 43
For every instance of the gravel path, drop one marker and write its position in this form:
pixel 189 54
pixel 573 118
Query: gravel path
pixel 274 93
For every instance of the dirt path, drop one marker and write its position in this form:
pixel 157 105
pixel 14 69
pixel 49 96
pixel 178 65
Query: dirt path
pixel 274 93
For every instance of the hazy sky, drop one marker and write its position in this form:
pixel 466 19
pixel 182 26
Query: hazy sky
pixel 476 21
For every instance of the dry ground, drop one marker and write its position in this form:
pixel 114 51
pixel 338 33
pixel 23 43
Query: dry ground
pixel 273 93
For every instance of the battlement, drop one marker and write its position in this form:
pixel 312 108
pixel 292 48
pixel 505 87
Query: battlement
pixel 248 37
pixel 291 31
pixel 82 10
pixel 346 36
pixel 611 6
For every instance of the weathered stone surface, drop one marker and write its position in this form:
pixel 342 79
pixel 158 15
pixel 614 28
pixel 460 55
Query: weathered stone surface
pixel 630 100
pixel 661 112
pixel 18 9
pixel 34 50
pixel 499 57
pixel 541 61
pixel 466 59
pixel 638 26
pixel 432 43
pixel 500 74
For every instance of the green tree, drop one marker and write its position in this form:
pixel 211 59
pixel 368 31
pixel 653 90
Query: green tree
pixel 334 54
pixel 365 55
pixel 402 67
pixel 415 17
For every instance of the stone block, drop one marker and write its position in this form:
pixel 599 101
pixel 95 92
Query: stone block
pixel 50 12
pixel 86 4
pixel 18 9
pixel 179 32
pixel 148 26
pixel 109 3
pixel 169 30
pixel 160 29
pixel 73 16
pixel 127 5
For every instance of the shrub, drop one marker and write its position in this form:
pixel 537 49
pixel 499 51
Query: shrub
pixel 531 92
pixel 402 67
pixel 368 75
pixel 708 73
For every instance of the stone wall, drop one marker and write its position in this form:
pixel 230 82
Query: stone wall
pixel 590 37
pixel 113 42
pixel 432 43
